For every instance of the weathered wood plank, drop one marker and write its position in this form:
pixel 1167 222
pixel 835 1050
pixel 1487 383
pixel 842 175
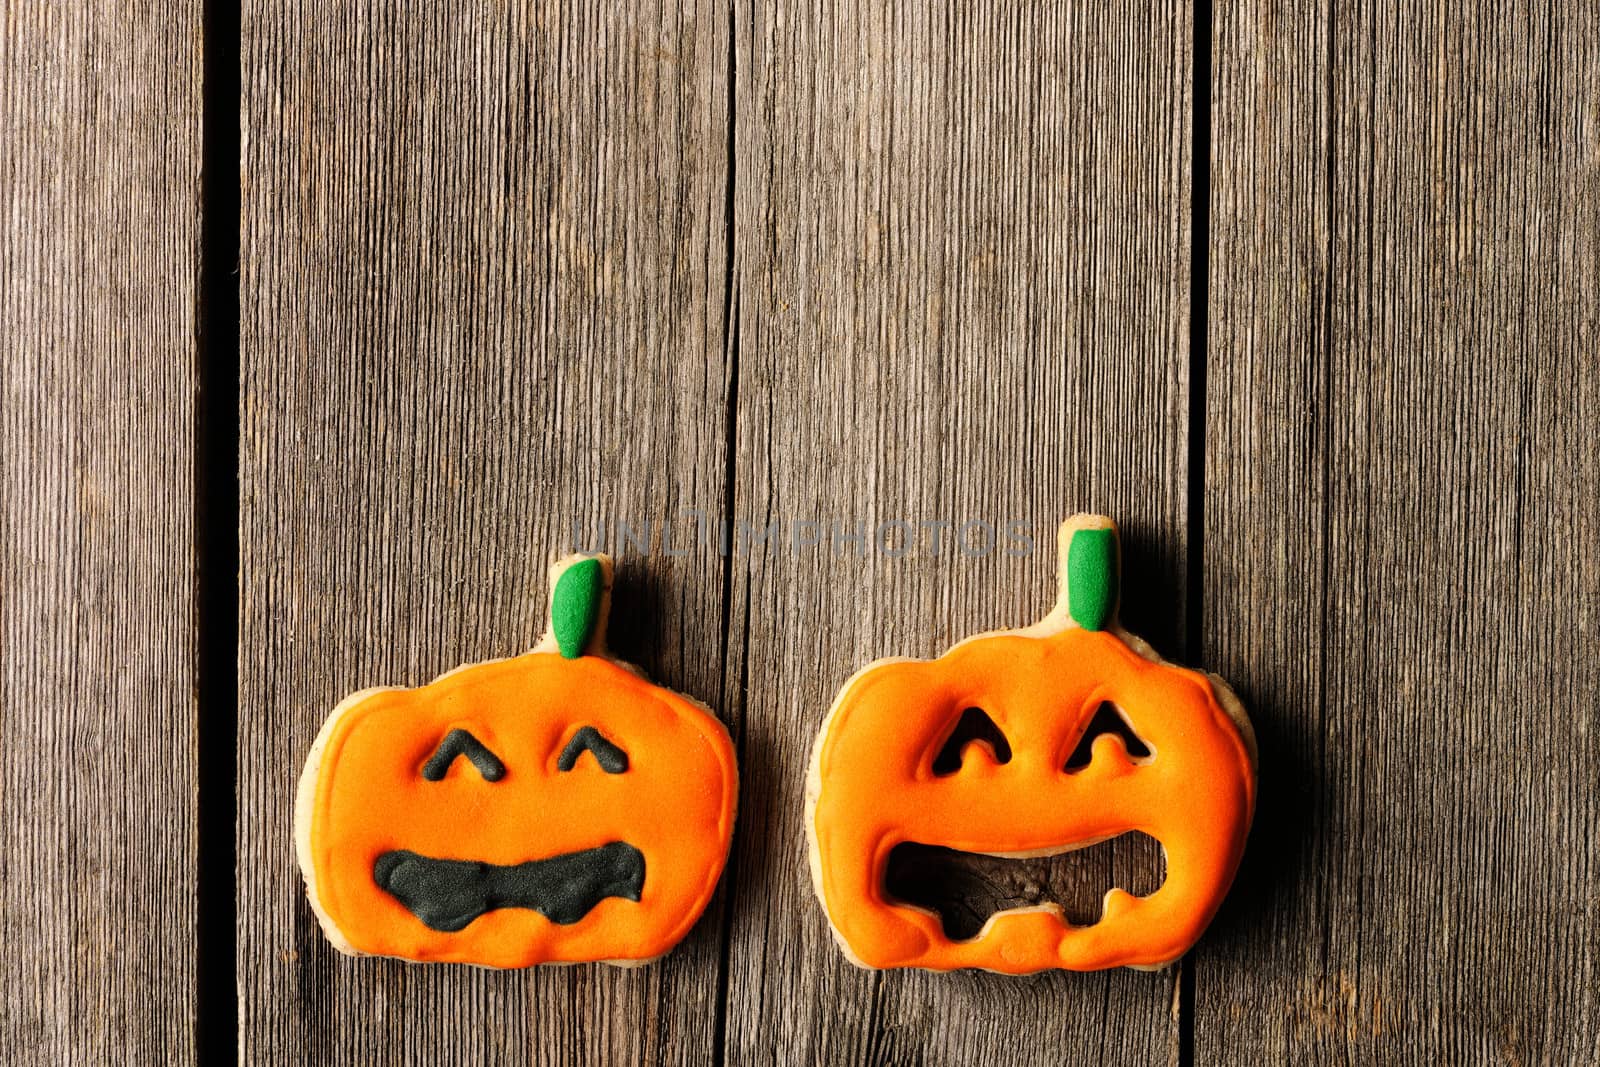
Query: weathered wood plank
pixel 963 296
pixel 484 267
pixel 100 122
pixel 1403 504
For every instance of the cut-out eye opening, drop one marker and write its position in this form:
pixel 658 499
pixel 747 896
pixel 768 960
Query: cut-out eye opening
pixel 459 742
pixel 611 759
pixel 973 726
pixel 1108 719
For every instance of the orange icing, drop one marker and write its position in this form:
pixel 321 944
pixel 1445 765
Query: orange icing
pixel 675 803
pixel 874 787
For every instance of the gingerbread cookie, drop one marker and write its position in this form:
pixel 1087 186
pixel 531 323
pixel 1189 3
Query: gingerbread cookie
pixel 555 806
pixel 884 773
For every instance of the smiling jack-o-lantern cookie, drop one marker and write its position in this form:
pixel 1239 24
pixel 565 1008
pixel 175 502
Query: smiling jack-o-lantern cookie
pixel 555 806
pixel 884 772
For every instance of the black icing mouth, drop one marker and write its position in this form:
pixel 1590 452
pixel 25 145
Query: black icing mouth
pixel 448 894
pixel 965 888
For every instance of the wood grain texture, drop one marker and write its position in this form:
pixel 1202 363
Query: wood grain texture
pixel 100 183
pixel 963 293
pixel 484 268
pixel 1403 507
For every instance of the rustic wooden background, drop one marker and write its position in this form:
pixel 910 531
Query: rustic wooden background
pixel 1304 293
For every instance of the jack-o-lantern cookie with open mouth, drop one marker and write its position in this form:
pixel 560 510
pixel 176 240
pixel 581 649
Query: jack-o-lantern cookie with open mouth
pixel 899 761
pixel 551 807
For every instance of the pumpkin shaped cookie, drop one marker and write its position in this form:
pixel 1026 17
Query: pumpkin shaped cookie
pixel 890 768
pixel 555 806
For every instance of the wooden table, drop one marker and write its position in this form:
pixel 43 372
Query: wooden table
pixel 1305 294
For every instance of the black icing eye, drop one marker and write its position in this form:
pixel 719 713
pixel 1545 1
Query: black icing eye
pixel 459 742
pixel 611 759
pixel 974 727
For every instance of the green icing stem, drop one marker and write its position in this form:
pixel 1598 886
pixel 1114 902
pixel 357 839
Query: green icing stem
pixel 575 606
pixel 1092 578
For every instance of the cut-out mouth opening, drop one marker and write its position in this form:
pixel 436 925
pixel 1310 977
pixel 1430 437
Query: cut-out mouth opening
pixel 966 888
pixel 447 895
